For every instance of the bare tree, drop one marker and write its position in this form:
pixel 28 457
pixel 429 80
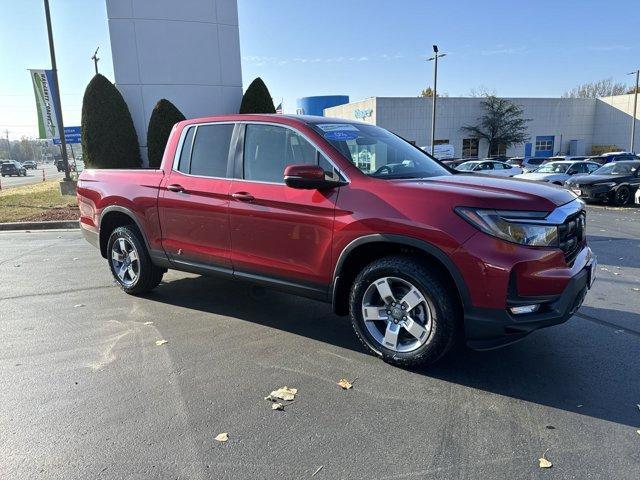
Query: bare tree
pixel 482 91
pixel 501 123
pixel 601 88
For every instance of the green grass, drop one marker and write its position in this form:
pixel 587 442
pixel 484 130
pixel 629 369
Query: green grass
pixel 40 201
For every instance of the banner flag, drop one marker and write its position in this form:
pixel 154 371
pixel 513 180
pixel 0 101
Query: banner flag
pixel 44 88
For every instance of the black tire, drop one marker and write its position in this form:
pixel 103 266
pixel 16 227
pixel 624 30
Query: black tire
pixel 622 196
pixel 441 300
pixel 149 275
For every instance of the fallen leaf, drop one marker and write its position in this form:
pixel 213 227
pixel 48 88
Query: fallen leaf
pixel 78 305
pixel 284 393
pixel 638 431
pixel 345 384
pixel 544 463
pixel 277 406
pixel 17 265
pixel 75 258
pixel 636 289
pixel 161 342
pixel 148 323
pixel 616 273
pixel 222 437
pixel 317 470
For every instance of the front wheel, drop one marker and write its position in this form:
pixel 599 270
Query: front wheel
pixel 130 262
pixel 622 196
pixel 403 311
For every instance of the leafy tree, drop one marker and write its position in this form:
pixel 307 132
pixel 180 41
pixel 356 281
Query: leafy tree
pixel 428 92
pixel 601 88
pixel 163 117
pixel 501 124
pixel 109 138
pixel 257 99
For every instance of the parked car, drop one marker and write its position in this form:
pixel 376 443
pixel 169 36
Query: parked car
pixel 30 164
pixel 613 157
pixel 455 163
pixel 417 257
pixel 559 172
pixel 529 164
pixel 615 182
pixel 490 167
pixel 11 167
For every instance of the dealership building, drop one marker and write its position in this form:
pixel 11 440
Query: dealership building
pixel 558 126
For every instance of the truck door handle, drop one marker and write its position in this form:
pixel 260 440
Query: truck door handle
pixel 175 187
pixel 243 196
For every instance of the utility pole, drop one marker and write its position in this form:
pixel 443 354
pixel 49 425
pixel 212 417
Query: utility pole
pixel 95 59
pixel 54 70
pixel 635 110
pixel 435 95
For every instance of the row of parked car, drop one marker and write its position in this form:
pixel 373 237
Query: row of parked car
pixel 612 177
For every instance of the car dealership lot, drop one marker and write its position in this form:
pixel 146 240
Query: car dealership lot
pixel 87 393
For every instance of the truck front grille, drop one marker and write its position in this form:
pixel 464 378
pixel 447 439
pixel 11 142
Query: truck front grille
pixel 571 235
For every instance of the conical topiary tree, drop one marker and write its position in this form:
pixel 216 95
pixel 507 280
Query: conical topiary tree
pixel 109 138
pixel 257 99
pixel 163 117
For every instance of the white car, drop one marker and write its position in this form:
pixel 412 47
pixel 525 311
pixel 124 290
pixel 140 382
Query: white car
pixel 560 172
pixel 490 167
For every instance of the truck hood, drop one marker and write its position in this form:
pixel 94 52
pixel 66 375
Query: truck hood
pixel 540 176
pixel 493 192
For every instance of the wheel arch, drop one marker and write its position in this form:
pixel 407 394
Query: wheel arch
pixel 363 250
pixel 113 217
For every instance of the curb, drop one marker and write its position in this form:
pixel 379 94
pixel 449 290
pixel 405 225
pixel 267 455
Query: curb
pixel 49 225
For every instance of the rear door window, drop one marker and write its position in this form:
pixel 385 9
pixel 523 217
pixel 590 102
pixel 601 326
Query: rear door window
pixel 210 155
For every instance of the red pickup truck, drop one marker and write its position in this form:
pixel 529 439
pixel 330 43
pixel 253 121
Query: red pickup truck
pixel 416 254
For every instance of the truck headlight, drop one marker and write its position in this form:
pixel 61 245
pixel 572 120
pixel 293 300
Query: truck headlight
pixel 512 226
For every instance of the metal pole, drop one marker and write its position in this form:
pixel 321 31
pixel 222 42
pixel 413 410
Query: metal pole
pixel 54 70
pixel 433 110
pixel 635 111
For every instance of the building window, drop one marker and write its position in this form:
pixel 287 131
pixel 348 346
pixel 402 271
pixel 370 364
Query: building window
pixel 441 142
pixel 544 145
pixel 498 150
pixel 470 147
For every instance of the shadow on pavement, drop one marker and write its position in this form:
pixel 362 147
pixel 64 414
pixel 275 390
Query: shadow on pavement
pixel 584 374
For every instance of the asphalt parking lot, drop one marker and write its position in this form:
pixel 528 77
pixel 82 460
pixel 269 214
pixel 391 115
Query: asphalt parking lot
pixel 87 393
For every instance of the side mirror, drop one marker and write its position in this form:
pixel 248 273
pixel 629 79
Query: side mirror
pixel 307 177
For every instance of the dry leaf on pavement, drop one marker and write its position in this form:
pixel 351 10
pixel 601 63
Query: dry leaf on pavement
pixel 277 406
pixel 161 342
pixel 222 437
pixel 148 323
pixel 284 393
pixel 345 384
pixel 544 463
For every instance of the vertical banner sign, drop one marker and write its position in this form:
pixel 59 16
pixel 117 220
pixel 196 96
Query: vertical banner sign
pixel 43 87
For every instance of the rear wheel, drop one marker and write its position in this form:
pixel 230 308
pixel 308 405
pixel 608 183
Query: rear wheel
pixel 130 262
pixel 622 196
pixel 404 312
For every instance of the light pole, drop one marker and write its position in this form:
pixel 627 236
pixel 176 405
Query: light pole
pixel 435 57
pixel 635 110
pixel 95 59
pixel 56 93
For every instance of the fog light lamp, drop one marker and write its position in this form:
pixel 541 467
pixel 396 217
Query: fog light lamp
pixel 524 309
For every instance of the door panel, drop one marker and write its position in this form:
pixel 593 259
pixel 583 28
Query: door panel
pixel 195 222
pixel 283 232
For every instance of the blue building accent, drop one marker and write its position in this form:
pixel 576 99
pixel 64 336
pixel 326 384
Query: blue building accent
pixel 544 146
pixel 316 105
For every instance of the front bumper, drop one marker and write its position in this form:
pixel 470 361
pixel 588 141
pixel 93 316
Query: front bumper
pixel 488 328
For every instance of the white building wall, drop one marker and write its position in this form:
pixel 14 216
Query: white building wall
pixel 186 51
pixel 613 122
pixel 410 117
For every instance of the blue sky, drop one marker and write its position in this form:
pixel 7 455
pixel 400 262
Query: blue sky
pixel 354 47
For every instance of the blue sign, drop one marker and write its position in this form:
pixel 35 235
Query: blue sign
pixel 341 135
pixel 71 135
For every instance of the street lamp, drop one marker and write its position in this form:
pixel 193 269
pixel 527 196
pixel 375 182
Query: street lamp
pixel 635 109
pixel 435 57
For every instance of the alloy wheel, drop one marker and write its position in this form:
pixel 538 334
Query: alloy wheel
pixel 125 262
pixel 396 314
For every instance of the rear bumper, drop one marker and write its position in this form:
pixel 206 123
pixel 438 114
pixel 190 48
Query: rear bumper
pixel 90 235
pixel 488 328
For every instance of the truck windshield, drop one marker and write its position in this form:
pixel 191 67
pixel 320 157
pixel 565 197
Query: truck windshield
pixel 378 152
